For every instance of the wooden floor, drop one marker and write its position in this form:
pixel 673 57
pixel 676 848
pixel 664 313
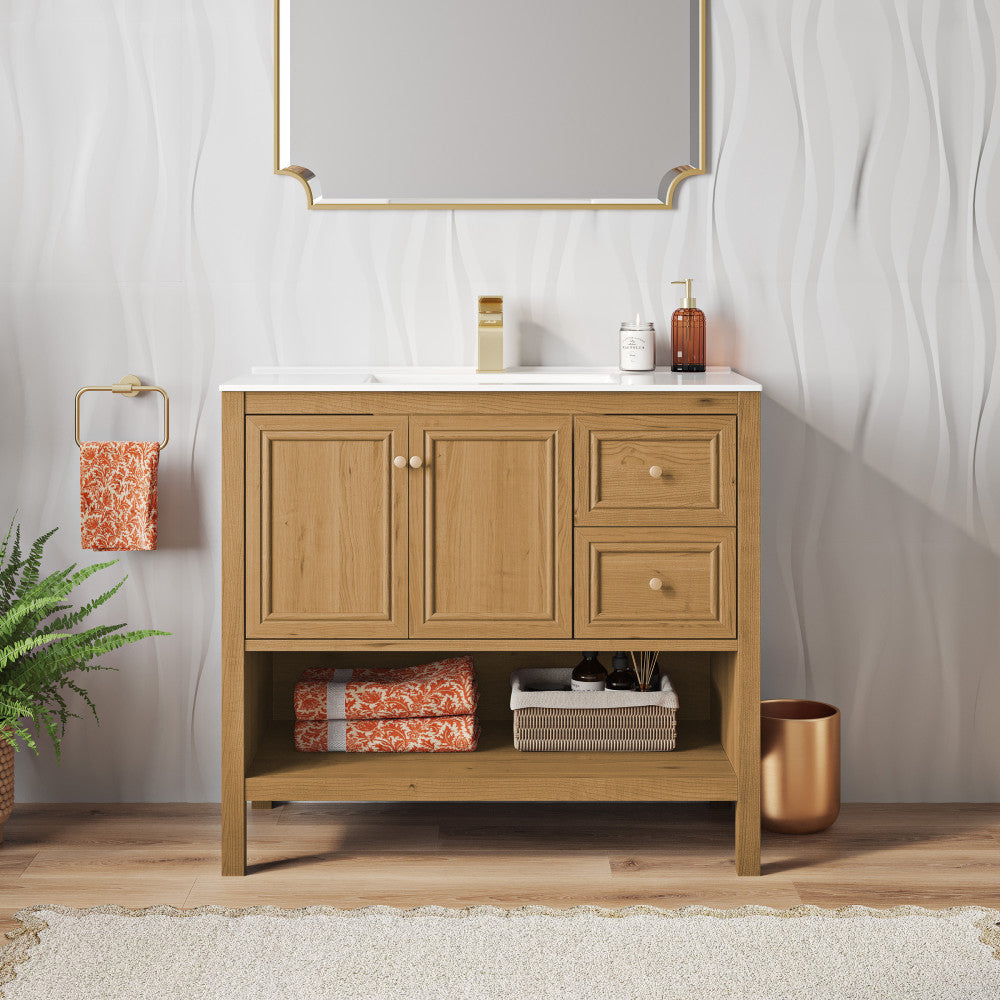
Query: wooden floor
pixel 505 854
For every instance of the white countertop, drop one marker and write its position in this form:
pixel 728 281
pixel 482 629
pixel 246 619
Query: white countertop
pixel 416 379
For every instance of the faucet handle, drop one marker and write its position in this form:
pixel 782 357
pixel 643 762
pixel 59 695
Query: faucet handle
pixel 491 310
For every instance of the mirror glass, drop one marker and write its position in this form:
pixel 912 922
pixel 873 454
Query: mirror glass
pixel 388 103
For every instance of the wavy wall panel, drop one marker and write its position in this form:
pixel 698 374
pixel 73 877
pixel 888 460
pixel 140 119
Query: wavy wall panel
pixel 846 248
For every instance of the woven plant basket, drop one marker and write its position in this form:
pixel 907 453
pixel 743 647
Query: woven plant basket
pixel 6 783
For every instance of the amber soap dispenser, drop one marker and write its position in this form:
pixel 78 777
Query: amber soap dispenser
pixel 687 334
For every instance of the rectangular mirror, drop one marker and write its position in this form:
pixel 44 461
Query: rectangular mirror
pixel 476 104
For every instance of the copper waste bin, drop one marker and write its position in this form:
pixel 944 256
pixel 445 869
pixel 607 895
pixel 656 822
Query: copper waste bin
pixel 799 765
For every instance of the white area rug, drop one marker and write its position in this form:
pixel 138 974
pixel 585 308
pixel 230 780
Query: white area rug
pixel 487 954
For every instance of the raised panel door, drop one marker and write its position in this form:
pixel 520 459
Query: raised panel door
pixel 490 524
pixel 326 527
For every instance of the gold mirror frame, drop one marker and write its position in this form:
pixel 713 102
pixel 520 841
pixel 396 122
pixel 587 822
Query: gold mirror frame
pixel 307 178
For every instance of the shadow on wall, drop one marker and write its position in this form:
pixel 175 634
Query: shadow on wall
pixel 877 604
pixel 181 520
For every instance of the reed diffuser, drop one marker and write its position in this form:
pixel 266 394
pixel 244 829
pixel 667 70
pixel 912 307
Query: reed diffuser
pixel 645 668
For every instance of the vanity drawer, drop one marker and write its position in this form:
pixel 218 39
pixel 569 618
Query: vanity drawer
pixel 656 470
pixel 665 583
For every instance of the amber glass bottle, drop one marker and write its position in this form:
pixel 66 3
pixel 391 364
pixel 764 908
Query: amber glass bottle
pixel 621 677
pixel 589 674
pixel 687 334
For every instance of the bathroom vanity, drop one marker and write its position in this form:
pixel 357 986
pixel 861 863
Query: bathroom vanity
pixel 392 516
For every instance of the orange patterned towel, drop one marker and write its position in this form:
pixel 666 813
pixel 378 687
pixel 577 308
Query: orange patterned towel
pixel 446 687
pixel 447 734
pixel 118 495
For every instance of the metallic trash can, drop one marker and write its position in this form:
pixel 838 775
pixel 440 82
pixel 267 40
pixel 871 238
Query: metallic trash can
pixel 799 765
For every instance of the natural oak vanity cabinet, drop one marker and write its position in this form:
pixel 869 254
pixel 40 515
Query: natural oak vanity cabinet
pixel 363 527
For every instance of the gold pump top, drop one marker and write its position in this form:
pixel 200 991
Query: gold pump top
pixel 689 301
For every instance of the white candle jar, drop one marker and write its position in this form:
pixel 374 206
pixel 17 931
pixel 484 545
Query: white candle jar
pixel 637 343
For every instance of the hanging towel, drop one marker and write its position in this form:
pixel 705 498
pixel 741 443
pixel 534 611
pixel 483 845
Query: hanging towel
pixel 445 687
pixel 448 734
pixel 118 495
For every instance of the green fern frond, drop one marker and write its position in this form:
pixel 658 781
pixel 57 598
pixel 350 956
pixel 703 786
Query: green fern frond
pixel 33 564
pixel 82 574
pixel 68 621
pixel 14 731
pixel 18 650
pixel 8 573
pixel 84 697
pixel 6 540
pixel 14 706
pixel 35 608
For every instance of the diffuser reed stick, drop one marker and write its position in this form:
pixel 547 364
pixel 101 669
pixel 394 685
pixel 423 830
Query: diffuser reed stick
pixel 644 668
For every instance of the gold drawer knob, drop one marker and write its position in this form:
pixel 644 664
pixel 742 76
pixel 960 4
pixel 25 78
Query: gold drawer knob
pixel 656 583
pixel 416 461
pixel 655 471
pixel 399 461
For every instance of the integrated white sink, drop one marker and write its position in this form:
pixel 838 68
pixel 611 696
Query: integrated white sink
pixel 457 379
pixel 515 376
pixel 549 377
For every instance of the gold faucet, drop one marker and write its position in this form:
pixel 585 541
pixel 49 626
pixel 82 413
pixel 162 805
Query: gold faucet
pixel 489 344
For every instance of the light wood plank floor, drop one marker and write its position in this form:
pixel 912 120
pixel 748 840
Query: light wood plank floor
pixel 457 854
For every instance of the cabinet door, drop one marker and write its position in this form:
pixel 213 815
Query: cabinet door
pixel 490 523
pixel 326 527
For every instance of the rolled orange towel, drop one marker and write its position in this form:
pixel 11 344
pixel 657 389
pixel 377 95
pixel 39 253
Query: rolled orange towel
pixel 445 687
pixel 118 495
pixel 448 734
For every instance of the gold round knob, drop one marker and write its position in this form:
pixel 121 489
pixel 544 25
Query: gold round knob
pixel 656 583
pixel 416 462
pixel 655 471
pixel 399 461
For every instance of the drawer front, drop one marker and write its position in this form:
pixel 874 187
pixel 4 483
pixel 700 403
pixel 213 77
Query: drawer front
pixel 663 584
pixel 656 470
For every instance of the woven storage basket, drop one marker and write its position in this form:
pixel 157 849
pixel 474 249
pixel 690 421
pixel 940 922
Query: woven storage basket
pixel 6 783
pixel 615 726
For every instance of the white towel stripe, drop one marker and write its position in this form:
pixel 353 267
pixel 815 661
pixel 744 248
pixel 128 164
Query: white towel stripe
pixel 336 694
pixel 336 735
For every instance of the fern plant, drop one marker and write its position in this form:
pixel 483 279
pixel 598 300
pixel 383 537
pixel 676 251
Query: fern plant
pixel 40 650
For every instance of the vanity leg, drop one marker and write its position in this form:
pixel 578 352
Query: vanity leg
pixel 235 714
pixel 234 835
pixel 746 683
pixel 261 805
pixel 747 838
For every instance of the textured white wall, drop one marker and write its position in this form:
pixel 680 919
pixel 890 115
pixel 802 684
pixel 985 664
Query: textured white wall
pixel 846 247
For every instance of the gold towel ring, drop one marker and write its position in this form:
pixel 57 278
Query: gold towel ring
pixel 129 386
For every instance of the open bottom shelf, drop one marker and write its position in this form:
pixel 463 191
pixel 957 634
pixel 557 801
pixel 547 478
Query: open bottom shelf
pixel 697 770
